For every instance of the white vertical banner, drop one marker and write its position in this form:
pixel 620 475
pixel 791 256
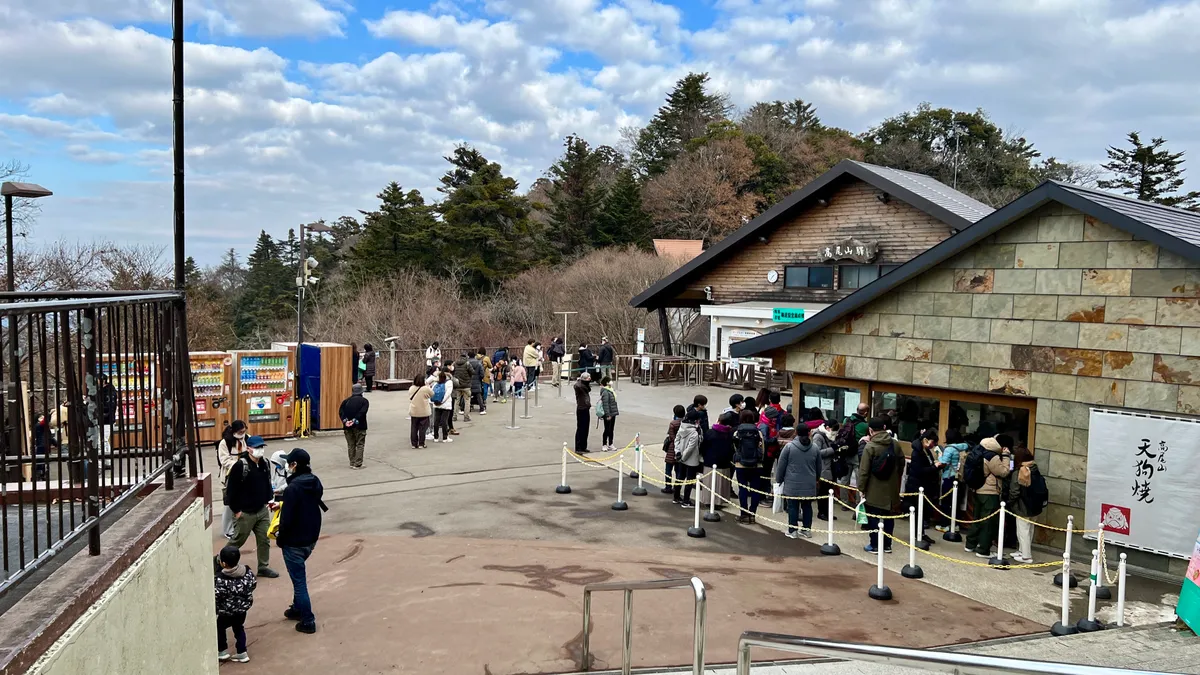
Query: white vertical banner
pixel 1143 480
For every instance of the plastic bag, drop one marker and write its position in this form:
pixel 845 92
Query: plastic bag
pixel 273 528
pixel 777 505
pixel 860 513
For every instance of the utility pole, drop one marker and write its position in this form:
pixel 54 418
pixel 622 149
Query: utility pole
pixel 177 130
pixel 566 345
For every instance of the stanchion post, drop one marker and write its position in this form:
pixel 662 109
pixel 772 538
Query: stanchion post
pixel 536 389
pixel 1090 624
pixel 830 548
pixel 952 534
pixel 620 504
pixel 912 570
pixel 1102 592
pixel 563 488
pixel 879 591
pixel 920 542
pixel 512 422
pixel 999 560
pixel 525 415
pixel 639 490
pixel 1064 625
pixel 695 531
pixel 637 461
pixel 1058 578
pixel 1121 591
pixel 712 516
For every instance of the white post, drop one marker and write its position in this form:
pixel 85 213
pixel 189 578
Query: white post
pixel 712 516
pixel 999 559
pixel 920 542
pixel 1090 624
pixel 695 531
pixel 830 548
pixel 1121 591
pixel 911 571
pixel 1102 592
pixel 639 490
pixel 620 504
pixel 1064 627
pixel 879 591
pixel 563 488
pixel 952 534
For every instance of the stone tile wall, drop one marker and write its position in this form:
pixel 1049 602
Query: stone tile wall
pixel 1059 307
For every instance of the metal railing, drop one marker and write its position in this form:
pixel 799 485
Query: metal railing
pixel 98 405
pixel 946 662
pixel 697 587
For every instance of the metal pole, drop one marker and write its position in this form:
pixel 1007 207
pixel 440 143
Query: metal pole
pixel 698 627
pixel 587 630
pixel 525 398
pixel 512 424
pixel 14 388
pixel 8 238
pixel 91 387
pixel 563 488
pixel 627 636
pixel 177 129
pixel 301 280
pixel 1121 591
pixel 536 389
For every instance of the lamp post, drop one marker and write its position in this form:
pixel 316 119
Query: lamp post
pixel 9 191
pixel 302 277
pixel 566 345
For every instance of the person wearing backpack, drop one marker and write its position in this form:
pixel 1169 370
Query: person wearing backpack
pixel 950 463
pixel 248 492
pixel 717 452
pixel 419 411
pixel 988 464
pixel 669 455
pixel 798 470
pixel 747 464
pixel 687 458
pixel 879 482
pixel 1027 497
pixel 608 414
pixel 768 426
pixel 442 400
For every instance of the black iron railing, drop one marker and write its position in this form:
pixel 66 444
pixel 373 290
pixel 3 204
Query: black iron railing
pixel 97 407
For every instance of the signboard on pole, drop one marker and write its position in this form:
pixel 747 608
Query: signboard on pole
pixel 641 341
pixel 1143 480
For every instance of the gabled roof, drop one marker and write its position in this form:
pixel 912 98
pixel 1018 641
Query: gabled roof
pixel 1171 228
pixel 683 249
pixel 946 204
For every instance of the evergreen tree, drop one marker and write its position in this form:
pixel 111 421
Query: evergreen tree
pixel 191 273
pixel 1149 172
pixel 576 199
pixel 623 220
pixel 486 234
pixel 688 111
pixel 268 293
pixel 401 234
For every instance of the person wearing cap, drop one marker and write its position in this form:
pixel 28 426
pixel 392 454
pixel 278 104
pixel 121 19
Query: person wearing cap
pixel 606 357
pixel 249 495
pixel 583 410
pixel 299 529
pixel 353 413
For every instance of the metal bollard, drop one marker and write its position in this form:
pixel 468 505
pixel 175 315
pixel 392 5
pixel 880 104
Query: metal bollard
pixel 695 531
pixel 920 543
pixel 640 490
pixel 1072 579
pixel 620 504
pixel 879 591
pixel 999 557
pixel 912 570
pixel 536 389
pixel 526 416
pixel 512 423
pixel 953 534
pixel 712 516
pixel 563 488
pixel 1121 591
pixel 1064 625
pixel 830 548
pixel 637 449
pixel 1090 624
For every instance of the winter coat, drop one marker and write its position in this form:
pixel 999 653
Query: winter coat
pixel 227 457
pixel 1015 501
pixel 583 395
pixel 108 404
pixel 432 354
pixel 300 519
pixel 880 494
pixel 798 467
pixel 556 351
pixel 687 444
pixel 419 396
pixel 447 402
pixel 368 360
pixel 476 368
pixel 822 440
pixel 518 373
pixel 587 360
pixel 745 431
pixel 234 589
pixel 355 357
pixel 248 488
pixel 669 456
pixel 529 357
pixel 609 399
pixel 607 355
pixel 995 467
pixel 717 449
pixel 951 456
pixel 923 472
pixel 354 409
pixel 461 374
pixel 486 361
pixel 861 428
pixel 703 417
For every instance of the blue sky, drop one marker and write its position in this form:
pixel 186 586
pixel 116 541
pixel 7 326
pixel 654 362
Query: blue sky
pixel 304 109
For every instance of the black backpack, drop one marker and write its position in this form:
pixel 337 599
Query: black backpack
pixel 845 436
pixel 1036 496
pixel 748 451
pixel 973 473
pixel 883 464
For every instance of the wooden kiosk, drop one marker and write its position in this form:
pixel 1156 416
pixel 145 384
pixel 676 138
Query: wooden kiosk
pixel 212 388
pixel 325 378
pixel 263 393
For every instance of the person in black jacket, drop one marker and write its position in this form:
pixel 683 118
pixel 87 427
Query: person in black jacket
pixel 924 472
pixel 108 410
pixel 353 413
pixel 248 493
pixel 299 529
pixel 587 361
pixel 556 353
pixel 607 356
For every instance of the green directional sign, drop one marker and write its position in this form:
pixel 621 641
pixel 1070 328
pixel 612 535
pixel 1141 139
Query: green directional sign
pixel 787 315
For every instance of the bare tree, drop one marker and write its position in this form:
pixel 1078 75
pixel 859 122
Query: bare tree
pixel 24 210
pixel 704 195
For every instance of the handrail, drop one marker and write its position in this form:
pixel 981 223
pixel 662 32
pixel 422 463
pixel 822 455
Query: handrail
pixel 627 636
pixel 947 662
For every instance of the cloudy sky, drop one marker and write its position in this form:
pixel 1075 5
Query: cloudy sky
pixel 303 109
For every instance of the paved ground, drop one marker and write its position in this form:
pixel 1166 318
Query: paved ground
pixel 394 529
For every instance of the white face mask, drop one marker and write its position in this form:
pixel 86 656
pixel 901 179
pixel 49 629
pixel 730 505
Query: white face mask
pixel 257 453
pixel 239 435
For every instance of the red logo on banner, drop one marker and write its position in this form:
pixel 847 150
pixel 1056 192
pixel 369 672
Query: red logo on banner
pixel 1115 519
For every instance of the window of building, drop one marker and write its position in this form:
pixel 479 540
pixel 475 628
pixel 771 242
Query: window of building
pixel 884 269
pixel 857 276
pixel 808 277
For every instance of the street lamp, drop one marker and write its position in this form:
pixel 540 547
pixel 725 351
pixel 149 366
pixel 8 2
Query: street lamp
pixel 10 190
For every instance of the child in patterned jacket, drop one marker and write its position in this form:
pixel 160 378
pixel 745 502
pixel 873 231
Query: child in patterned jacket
pixel 235 584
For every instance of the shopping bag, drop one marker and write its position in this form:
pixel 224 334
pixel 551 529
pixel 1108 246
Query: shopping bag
pixel 860 513
pixel 777 505
pixel 273 528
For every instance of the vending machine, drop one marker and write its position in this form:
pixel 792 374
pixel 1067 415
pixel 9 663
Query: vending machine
pixel 263 399
pixel 212 391
pixel 324 378
pixel 138 422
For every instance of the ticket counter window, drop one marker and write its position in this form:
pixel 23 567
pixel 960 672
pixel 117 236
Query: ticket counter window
pixel 977 421
pixel 909 414
pixel 835 403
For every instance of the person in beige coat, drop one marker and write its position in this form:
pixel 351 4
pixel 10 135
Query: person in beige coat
pixel 419 411
pixel 997 464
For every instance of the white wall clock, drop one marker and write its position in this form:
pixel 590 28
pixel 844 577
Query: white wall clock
pixel 772 276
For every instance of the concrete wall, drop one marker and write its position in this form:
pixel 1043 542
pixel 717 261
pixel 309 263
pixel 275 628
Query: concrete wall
pixel 156 618
pixel 1057 306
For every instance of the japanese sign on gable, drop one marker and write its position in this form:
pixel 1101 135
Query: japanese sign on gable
pixel 1138 482
pixel 849 249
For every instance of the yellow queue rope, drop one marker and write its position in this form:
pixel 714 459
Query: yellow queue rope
pixel 671 481
pixel 972 563
pixel 782 524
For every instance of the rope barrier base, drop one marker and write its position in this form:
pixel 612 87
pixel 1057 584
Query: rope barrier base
pixel 952 536
pixel 633 474
pixel 912 572
pixel 878 593
pixel 999 562
pixel 1085 626
pixel 639 491
pixel 620 506
pixel 922 544
pixel 1059 630
pixel 712 517
pixel 1103 593
pixel 563 490
pixel 830 549
pixel 1073 580
pixel 697 532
